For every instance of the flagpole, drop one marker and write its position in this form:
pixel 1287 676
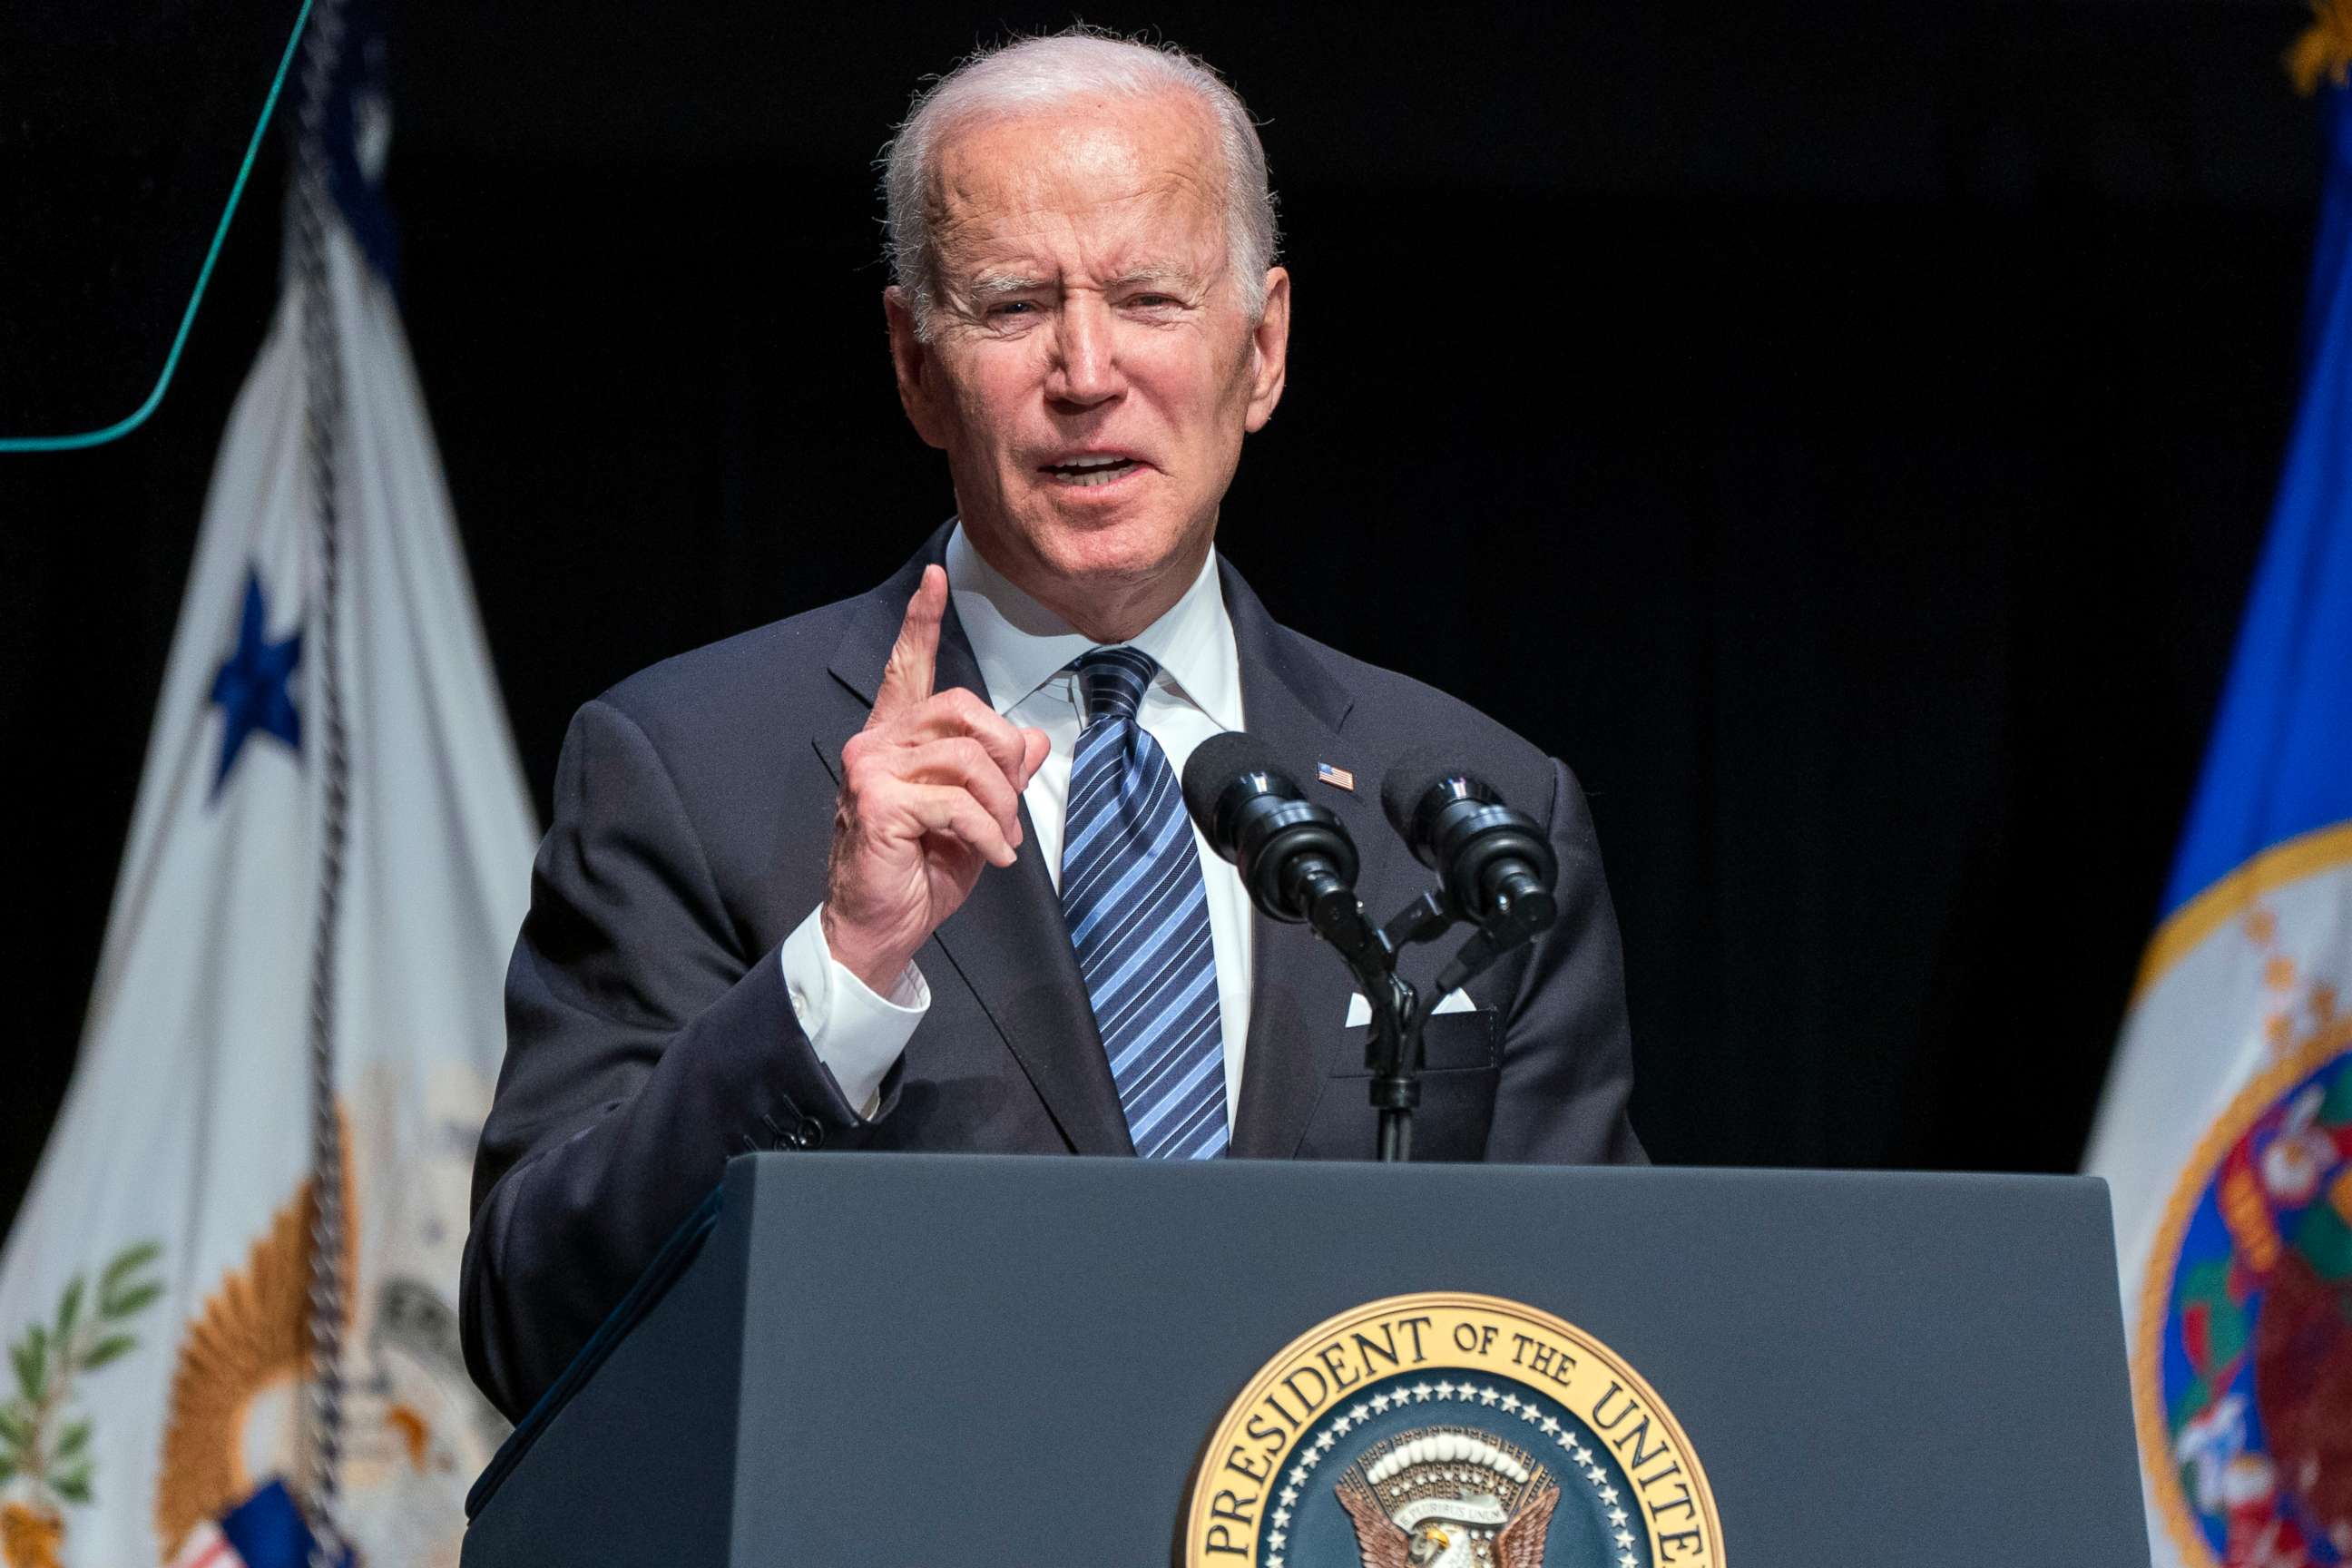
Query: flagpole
pixel 322 382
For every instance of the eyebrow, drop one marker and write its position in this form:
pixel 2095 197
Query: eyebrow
pixel 1152 274
pixel 997 286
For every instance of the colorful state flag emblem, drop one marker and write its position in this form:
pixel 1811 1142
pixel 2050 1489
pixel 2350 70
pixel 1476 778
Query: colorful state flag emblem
pixel 2245 1344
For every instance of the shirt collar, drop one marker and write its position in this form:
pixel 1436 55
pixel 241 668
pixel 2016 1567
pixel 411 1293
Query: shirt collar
pixel 1020 645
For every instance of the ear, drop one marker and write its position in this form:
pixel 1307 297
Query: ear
pixel 1270 350
pixel 911 362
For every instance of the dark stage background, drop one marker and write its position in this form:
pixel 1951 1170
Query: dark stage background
pixel 1842 433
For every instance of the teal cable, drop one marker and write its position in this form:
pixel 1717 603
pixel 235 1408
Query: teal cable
pixel 179 340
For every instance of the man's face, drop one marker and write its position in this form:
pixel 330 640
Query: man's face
pixel 1093 367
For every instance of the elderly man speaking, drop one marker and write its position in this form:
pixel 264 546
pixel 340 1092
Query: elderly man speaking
pixel 912 871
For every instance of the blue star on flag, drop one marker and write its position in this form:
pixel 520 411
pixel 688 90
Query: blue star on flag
pixel 252 688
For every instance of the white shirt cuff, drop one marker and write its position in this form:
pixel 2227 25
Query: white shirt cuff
pixel 854 1032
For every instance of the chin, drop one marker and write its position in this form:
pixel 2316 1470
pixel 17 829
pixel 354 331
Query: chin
pixel 1109 547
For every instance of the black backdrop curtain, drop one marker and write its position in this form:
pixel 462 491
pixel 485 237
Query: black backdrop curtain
pixel 1846 444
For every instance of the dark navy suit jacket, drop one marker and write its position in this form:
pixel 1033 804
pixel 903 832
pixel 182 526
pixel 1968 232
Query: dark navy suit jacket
pixel 650 1037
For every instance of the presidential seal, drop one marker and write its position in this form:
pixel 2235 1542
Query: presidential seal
pixel 1450 1431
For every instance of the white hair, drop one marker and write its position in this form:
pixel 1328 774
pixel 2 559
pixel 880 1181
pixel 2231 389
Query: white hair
pixel 1039 73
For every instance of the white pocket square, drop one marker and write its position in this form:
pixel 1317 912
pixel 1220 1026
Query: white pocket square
pixel 1360 1011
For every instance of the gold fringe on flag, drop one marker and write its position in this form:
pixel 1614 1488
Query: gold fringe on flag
pixel 2323 53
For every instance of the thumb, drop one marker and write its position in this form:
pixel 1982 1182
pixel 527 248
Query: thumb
pixel 1034 747
pixel 914 657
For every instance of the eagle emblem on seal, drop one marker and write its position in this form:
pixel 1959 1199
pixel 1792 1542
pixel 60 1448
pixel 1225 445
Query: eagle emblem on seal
pixel 1448 1497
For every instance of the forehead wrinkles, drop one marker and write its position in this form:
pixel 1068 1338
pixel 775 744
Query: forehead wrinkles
pixel 1035 187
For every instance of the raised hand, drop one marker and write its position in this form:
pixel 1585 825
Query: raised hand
pixel 930 793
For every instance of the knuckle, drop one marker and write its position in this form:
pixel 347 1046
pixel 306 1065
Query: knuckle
pixel 866 776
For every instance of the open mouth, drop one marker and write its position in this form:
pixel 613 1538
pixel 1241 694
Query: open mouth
pixel 1088 473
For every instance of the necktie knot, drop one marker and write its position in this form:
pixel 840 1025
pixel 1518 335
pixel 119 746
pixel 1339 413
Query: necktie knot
pixel 1111 682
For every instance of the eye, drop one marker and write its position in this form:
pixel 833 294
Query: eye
pixel 1155 301
pixel 1011 307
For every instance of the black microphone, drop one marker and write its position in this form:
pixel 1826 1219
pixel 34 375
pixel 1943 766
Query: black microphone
pixel 1494 865
pixel 1295 857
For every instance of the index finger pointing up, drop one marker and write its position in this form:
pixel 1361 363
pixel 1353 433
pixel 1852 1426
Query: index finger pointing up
pixel 914 659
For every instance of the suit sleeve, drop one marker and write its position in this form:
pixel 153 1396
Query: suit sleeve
pixel 645 1048
pixel 1567 1055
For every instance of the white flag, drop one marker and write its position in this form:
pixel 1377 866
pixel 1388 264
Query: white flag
pixel 152 1289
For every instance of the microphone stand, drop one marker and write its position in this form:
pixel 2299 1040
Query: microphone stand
pixel 1392 1050
pixel 1392 1047
pixel 1393 1044
pixel 1393 1053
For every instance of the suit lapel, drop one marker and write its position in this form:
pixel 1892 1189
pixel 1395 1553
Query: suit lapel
pixel 1298 994
pixel 1008 941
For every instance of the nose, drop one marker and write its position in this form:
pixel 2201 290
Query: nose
pixel 1086 371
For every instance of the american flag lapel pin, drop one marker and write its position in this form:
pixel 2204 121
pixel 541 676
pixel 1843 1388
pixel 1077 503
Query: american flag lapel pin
pixel 1341 778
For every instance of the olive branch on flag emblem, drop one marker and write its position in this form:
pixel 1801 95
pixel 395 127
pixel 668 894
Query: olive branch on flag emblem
pixel 44 1443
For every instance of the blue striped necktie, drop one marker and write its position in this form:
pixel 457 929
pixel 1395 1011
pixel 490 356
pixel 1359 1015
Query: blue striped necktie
pixel 1138 916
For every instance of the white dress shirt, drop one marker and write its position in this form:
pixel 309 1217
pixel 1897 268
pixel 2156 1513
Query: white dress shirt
pixel 1024 650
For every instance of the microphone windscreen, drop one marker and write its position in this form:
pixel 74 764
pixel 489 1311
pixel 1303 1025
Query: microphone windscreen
pixel 1216 762
pixel 1410 780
